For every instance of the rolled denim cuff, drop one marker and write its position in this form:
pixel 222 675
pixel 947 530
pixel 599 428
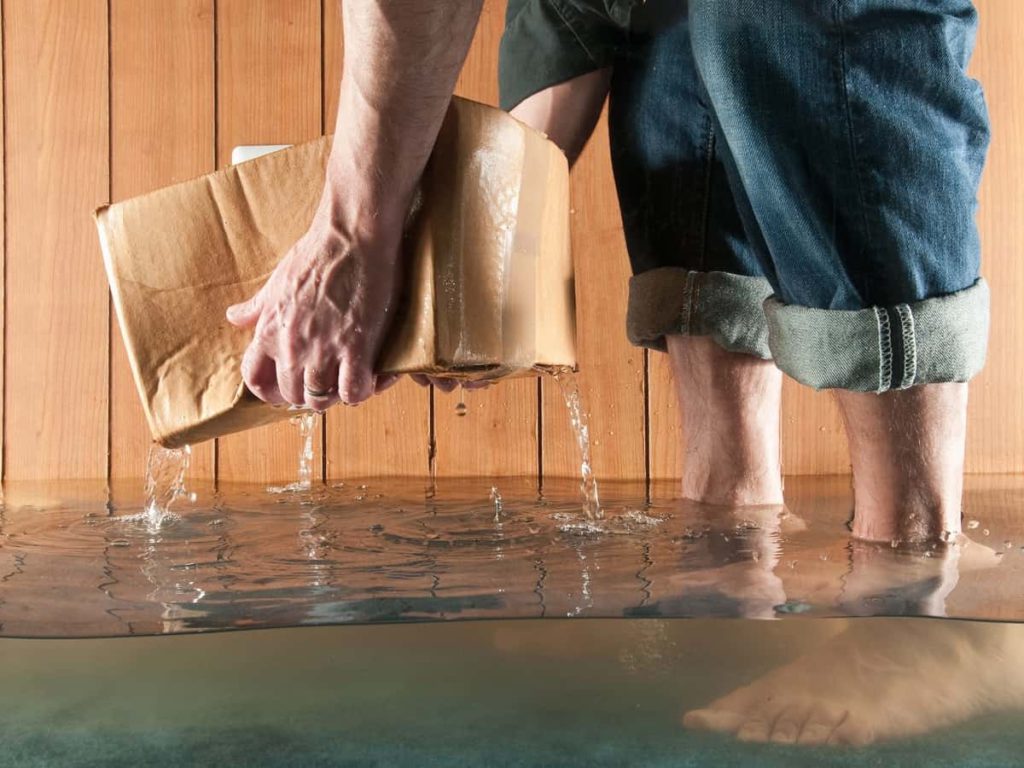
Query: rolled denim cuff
pixel 941 339
pixel 722 305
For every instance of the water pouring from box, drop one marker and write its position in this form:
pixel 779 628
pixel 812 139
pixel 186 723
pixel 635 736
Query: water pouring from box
pixel 487 268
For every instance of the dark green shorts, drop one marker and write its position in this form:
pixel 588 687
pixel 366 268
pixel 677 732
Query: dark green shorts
pixel 547 42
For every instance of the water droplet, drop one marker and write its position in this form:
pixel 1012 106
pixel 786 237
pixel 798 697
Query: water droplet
pixel 120 543
pixel 972 524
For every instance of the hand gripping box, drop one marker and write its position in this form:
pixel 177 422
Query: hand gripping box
pixel 488 271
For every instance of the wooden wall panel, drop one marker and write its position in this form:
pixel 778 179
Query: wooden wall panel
pixel 3 249
pixel 498 434
pixel 162 131
pixel 389 434
pixel 666 432
pixel 995 438
pixel 611 376
pixel 70 143
pixel 268 92
pixel 55 59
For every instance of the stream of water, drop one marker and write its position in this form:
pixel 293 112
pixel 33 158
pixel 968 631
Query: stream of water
pixel 166 468
pixel 165 482
pixel 569 384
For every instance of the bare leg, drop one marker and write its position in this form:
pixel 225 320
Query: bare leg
pixel 730 405
pixel 567 112
pixel 730 401
pixel 907 451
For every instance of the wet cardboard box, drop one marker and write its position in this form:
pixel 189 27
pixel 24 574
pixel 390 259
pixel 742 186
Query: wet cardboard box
pixel 488 271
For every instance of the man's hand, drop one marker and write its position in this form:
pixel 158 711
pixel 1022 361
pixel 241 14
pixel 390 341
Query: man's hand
pixel 321 317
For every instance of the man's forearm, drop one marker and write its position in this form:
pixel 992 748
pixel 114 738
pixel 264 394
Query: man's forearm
pixel 402 58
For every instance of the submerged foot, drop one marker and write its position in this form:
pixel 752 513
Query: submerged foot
pixel 877 680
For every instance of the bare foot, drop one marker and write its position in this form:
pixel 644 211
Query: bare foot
pixel 730 405
pixel 878 680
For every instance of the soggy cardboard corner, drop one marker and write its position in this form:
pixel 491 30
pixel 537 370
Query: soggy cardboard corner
pixel 488 278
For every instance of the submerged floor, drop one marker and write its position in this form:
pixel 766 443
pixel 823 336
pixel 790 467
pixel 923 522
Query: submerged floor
pixel 885 692
pixel 76 561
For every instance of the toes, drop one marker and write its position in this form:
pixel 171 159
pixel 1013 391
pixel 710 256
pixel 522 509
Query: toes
pixel 789 725
pixel 756 728
pixel 820 725
pixel 719 720
pixel 853 733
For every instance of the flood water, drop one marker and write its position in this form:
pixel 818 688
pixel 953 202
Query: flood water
pixel 77 560
pixel 610 692
pixel 394 675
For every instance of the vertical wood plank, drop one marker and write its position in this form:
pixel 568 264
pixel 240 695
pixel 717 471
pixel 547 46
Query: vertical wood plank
pixel 611 373
pixel 57 119
pixel 666 438
pixel 813 439
pixel 388 435
pixel 162 131
pixel 268 92
pixel 995 426
pixel 3 251
pixel 498 435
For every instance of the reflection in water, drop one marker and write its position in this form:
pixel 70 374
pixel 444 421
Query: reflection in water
pixel 390 552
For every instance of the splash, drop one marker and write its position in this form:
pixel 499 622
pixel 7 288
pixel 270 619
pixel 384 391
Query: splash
pixel 305 423
pixel 165 482
pixel 569 385
pixel 496 502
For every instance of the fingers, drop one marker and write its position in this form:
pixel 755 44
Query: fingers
pixel 384 381
pixel 289 381
pixel 445 385
pixel 260 375
pixel 246 314
pixel 320 388
pixel 355 380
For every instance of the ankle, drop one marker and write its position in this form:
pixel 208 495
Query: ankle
pixel 907 451
pixel 733 489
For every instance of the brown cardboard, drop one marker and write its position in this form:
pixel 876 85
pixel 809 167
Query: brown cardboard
pixel 488 274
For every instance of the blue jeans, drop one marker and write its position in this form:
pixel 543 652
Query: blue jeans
pixel 798 179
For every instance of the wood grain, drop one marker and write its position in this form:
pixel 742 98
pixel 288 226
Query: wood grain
pixel 158 124
pixel 268 92
pixel 3 254
pixel 162 131
pixel 666 432
pixel 55 60
pixel 498 435
pixel 995 432
pixel 611 376
pixel 390 433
